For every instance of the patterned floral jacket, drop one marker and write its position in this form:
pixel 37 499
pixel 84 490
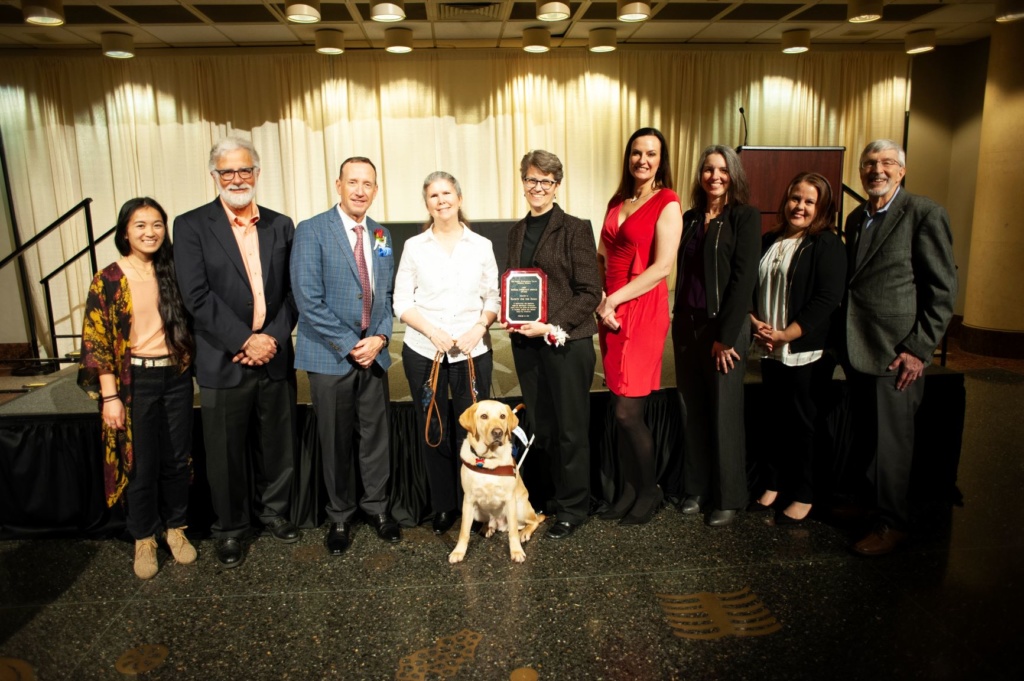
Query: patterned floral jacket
pixel 106 349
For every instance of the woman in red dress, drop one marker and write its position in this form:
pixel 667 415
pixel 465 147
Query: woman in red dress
pixel 636 254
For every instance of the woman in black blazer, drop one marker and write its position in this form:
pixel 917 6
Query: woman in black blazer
pixel 555 359
pixel 800 284
pixel 717 270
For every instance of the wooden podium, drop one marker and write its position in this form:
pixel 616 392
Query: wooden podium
pixel 770 170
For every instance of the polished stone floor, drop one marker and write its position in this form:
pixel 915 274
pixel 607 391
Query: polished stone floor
pixel 670 600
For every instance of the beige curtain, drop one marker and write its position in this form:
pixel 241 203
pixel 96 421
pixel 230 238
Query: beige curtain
pixel 92 127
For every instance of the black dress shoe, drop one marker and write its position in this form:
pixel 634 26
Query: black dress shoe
pixel 336 540
pixel 443 521
pixel 691 505
pixel 387 528
pixel 283 530
pixel 230 553
pixel 721 517
pixel 561 529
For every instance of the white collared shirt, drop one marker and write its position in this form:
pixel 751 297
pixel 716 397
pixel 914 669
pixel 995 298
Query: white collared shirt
pixel 348 223
pixel 450 291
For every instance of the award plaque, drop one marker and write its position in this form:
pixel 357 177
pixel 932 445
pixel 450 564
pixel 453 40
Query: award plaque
pixel 524 297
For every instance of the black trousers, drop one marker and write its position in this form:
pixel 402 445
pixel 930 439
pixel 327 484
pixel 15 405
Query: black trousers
pixel 157 493
pixel 352 417
pixel 442 462
pixel 714 458
pixel 884 421
pixel 255 417
pixel 556 389
pixel 793 394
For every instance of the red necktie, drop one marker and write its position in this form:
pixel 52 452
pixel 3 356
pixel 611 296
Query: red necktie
pixel 364 276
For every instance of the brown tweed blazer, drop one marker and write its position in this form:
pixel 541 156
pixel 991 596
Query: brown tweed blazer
pixel 568 255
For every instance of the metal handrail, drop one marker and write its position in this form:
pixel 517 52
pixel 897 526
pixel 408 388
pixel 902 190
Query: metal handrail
pixel 45 281
pixel 81 206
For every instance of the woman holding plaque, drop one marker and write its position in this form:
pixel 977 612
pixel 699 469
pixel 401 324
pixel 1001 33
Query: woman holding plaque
pixel 800 283
pixel 137 355
pixel 446 292
pixel 554 357
pixel 638 248
pixel 715 282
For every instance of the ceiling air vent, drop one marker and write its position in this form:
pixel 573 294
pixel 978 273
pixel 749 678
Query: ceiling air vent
pixel 469 11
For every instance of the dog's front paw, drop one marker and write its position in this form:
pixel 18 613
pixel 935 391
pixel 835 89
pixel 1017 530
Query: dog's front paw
pixel 524 535
pixel 518 556
pixel 456 556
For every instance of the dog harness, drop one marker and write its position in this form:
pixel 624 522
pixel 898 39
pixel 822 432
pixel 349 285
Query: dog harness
pixel 508 471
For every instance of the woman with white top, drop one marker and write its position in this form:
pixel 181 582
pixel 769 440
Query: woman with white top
pixel 800 284
pixel 446 292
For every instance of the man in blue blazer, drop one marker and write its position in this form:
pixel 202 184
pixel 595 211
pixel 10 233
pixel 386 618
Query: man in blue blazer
pixel 342 272
pixel 901 286
pixel 231 258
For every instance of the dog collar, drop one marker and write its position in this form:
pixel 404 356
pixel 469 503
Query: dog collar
pixel 508 471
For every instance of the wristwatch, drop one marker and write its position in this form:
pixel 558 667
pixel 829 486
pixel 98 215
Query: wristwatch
pixel 383 338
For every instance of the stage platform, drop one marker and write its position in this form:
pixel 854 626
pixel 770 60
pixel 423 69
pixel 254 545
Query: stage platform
pixel 51 455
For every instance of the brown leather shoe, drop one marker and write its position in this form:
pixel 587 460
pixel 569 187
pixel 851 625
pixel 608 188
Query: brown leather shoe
pixel 880 541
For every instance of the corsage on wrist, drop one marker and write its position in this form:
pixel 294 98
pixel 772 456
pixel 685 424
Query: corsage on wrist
pixel 557 337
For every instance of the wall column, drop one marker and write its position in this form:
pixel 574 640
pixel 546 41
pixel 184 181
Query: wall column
pixel 994 306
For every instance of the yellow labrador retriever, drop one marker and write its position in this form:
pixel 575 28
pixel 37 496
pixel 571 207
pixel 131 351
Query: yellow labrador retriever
pixel 493 491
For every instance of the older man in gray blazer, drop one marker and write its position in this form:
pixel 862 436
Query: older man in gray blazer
pixel 343 280
pixel 901 285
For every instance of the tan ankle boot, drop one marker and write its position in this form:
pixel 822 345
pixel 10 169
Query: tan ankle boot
pixel 181 549
pixel 145 558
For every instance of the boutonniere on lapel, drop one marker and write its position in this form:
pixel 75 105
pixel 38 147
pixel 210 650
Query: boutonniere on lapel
pixel 380 243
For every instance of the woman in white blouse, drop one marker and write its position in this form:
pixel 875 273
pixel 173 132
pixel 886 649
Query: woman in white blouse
pixel 446 292
pixel 800 284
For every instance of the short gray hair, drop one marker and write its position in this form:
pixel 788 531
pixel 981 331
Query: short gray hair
pixel 885 145
pixel 229 144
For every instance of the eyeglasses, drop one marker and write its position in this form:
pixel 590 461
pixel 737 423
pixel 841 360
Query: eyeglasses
pixel 532 182
pixel 229 174
pixel 887 163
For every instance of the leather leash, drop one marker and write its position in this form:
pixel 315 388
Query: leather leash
pixel 432 408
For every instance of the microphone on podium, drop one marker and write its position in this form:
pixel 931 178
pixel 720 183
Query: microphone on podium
pixel 746 128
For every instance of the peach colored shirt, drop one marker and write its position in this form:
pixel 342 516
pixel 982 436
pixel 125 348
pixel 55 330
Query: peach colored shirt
pixel 244 230
pixel 147 330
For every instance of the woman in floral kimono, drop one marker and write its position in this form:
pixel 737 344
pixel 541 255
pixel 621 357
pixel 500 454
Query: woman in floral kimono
pixel 136 357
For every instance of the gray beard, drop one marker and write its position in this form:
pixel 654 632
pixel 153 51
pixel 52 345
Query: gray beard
pixel 881 192
pixel 236 201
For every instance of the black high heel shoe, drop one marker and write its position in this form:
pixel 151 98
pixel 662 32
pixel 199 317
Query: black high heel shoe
pixel 642 518
pixel 621 508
